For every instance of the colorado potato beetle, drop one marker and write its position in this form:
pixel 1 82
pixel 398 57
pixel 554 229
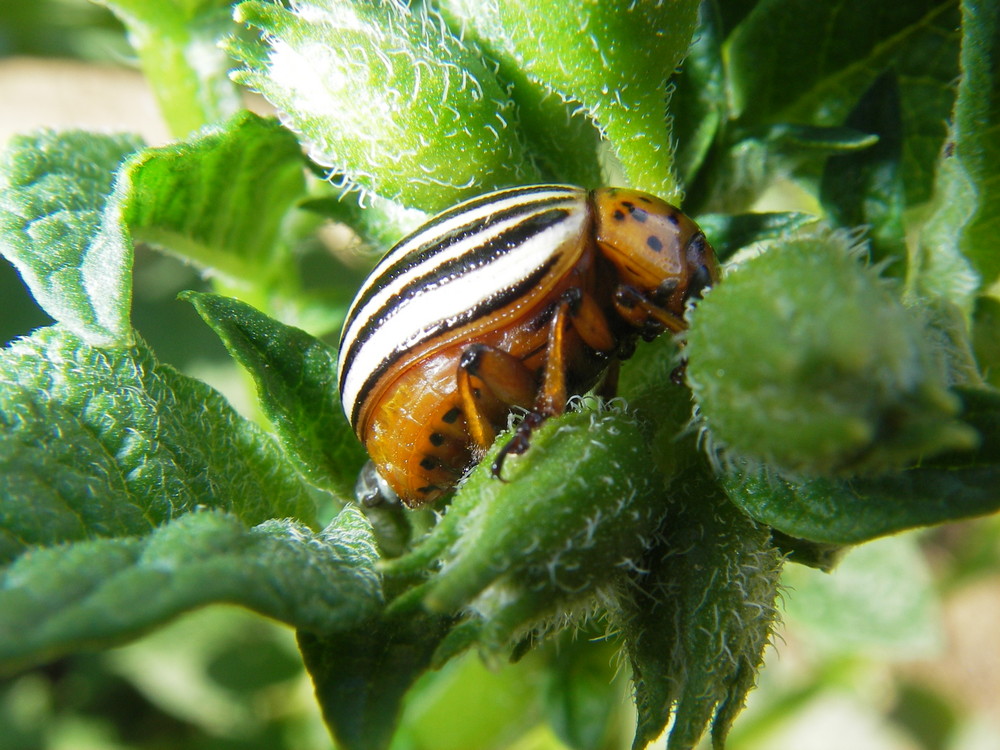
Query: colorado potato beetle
pixel 513 300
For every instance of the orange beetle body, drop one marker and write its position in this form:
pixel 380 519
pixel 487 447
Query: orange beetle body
pixel 514 300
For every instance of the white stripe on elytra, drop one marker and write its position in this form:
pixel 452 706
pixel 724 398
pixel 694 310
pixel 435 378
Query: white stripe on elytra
pixel 502 201
pixel 360 317
pixel 414 318
pixel 383 296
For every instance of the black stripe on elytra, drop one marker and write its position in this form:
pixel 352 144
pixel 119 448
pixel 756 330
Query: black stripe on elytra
pixel 387 273
pixel 486 307
pixel 482 255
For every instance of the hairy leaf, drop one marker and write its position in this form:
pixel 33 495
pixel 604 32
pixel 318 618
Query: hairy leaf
pixel 384 95
pixel 296 377
pixel 55 190
pixel 99 443
pixel 216 199
pixel 803 359
pixel 102 592
pixel 576 51
pixel 697 621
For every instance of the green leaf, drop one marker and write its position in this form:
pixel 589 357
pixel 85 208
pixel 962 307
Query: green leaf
pixel 98 443
pixel 562 137
pixel 577 52
pixel 217 199
pixel 100 593
pixel 957 250
pixel 296 378
pixel 55 191
pixel 698 103
pixel 986 338
pixel 177 42
pixel 731 232
pixel 582 693
pixel 798 61
pixel 949 487
pixel 865 187
pixel 362 675
pixel 804 359
pixel 879 600
pixel 385 96
pixel 696 623
pixel 804 552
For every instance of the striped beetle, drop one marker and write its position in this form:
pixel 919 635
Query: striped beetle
pixel 515 299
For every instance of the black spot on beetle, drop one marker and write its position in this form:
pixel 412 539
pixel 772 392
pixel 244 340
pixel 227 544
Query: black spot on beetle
pixel 451 415
pixel 429 462
pixel 637 213
pixel 619 216
pixel 437 439
pixel 672 218
pixel 644 199
pixel 655 243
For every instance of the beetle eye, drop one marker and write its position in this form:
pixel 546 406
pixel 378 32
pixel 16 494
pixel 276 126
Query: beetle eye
pixel 700 280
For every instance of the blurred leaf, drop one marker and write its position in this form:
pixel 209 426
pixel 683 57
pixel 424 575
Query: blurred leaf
pixel 697 622
pixel 965 212
pixel 99 593
pixel 247 666
pixel 698 103
pixel 865 187
pixel 879 598
pixel 385 96
pixel 57 28
pixel 798 61
pixel 804 552
pixel 177 42
pixel 583 696
pixel 577 52
pixel 986 338
pixel 110 444
pixel 361 675
pixel 296 378
pixel 948 487
pixel 731 232
pixel 831 138
pixel 53 228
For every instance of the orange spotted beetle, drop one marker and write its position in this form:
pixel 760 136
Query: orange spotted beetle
pixel 513 300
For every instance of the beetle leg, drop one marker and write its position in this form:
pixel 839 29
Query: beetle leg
pixel 551 399
pixel 504 376
pixel 590 321
pixel 649 318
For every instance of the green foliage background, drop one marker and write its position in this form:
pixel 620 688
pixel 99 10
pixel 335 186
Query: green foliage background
pixel 845 383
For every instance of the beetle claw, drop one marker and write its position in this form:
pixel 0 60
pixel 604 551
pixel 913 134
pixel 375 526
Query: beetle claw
pixel 519 442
